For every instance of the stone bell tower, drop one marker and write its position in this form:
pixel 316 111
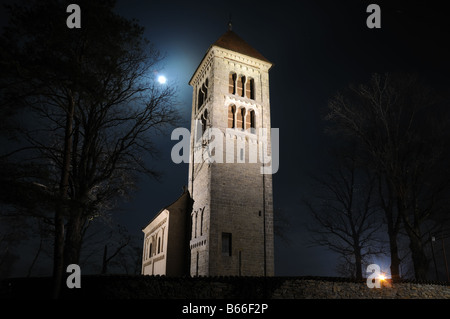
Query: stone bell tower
pixel 232 215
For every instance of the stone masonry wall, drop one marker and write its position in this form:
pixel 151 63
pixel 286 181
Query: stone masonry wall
pixel 160 287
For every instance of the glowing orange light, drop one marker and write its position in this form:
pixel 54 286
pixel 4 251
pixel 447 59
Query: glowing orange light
pixel 382 277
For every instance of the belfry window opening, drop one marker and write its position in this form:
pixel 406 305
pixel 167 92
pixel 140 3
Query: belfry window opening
pixel 232 83
pixel 202 94
pixel 244 119
pixel 251 121
pixel 241 117
pixel 231 116
pixel 241 86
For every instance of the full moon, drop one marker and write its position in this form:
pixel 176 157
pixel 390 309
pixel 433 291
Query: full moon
pixel 162 79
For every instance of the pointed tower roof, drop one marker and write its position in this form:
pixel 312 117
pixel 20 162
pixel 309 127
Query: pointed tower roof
pixel 231 41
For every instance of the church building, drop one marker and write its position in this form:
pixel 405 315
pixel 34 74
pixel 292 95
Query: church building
pixel 223 222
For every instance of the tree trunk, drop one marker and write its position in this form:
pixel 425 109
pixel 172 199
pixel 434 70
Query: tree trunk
pixel 36 256
pixel 393 246
pixel 395 260
pixel 358 263
pixel 72 247
pixel 420 260
pixel 58 257
pixel 392 221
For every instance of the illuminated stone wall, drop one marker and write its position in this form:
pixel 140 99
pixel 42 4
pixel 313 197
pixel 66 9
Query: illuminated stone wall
pixel 165 249
pixel 230 199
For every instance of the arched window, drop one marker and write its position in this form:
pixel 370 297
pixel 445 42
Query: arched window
pixel 205 90
pixel 202 94
pixel 240 85
pixel 232 83
pixel 195 226
pixel 231 116
pixel 201 223
pixel 192 226
pixel 250 121
pixel 150 250
pixel 240 118
pixel 159 245
pixel 199 98
pixel 250 88
pixel 204 121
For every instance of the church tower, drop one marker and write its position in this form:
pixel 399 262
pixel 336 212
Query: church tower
pixel 232 214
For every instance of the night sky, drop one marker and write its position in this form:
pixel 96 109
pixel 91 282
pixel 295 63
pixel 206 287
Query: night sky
pixel 317 48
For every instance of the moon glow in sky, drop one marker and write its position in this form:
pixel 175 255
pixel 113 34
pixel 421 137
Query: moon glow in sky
pixel 162 79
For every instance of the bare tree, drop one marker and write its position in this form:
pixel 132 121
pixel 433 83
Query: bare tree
pixel 403 129
pixel 129 259
pixel 43 233
pixel 109 247
pixel 92 105
pixel 345 214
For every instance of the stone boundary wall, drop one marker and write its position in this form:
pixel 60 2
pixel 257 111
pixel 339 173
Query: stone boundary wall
pixel 161 287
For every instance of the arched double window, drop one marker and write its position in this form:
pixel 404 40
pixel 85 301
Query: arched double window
pixel 242 119
pixel 241 85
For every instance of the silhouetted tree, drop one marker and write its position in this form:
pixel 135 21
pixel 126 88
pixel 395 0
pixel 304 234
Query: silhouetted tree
pixel 129 259
pixel 345 214
pixel 91 105
pixel 403 129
